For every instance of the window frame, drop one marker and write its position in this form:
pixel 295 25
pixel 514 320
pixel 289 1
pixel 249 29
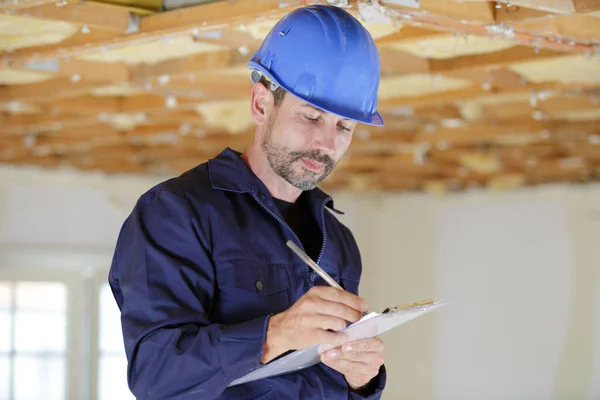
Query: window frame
pixel 82 271
pixel 100 278
pixel 75 315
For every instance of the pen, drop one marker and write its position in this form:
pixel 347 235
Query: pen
pixel 304 257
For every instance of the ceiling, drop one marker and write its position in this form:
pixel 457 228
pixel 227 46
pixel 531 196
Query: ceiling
pixel 474 93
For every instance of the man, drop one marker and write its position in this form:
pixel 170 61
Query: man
pixel 207 288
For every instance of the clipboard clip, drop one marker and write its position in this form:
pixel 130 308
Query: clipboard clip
pixel 407 306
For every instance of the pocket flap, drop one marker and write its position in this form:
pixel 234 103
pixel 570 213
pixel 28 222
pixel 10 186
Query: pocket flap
pixel 253 276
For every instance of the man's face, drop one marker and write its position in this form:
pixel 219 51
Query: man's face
pixel 303 144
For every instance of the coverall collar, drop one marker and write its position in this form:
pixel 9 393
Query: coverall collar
pixel 229 172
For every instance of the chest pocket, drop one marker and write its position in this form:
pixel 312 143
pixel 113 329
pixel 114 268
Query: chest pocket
pixel 248 289
pixel 348 278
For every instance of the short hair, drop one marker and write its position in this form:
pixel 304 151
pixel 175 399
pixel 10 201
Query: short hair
pixel 278 94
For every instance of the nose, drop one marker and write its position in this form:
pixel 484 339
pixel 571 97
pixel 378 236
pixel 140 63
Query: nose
pixel 325 139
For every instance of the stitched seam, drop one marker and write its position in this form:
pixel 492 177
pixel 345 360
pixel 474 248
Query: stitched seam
pixel 321 389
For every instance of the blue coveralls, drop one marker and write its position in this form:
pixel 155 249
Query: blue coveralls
pixel 200 265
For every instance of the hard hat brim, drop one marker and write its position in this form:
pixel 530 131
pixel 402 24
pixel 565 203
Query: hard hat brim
pixel 374 119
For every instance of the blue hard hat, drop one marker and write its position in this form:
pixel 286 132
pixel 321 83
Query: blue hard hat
pixel 326 57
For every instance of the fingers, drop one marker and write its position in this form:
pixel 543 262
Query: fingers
pixel 374 358
pixel 331 338
pixel 374 344
pixel 357 359
pixel 319 302
pixel 360 380
pixel 326 322
pixel 351 368
pixel 341 296
pixel 339 310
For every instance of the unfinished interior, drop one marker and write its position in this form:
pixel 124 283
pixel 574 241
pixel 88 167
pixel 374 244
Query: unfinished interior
pixel 492 94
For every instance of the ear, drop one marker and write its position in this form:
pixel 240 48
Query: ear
pixel 261 103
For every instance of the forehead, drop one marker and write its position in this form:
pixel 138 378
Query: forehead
pixel 311 107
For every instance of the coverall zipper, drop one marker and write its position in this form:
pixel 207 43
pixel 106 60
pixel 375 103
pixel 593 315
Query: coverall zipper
pixel 310 273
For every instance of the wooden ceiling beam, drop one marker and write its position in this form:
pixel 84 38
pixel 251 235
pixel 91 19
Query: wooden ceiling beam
pixel 435 113
pixel 489 28
pixel 233 38
pixel 514 12
pixel 42 161
pixel 565 28
pixel 71 78
pixel 205 86
pixel 399 62
pixel 584 149
pixel 10 6
pixel 73 69
pixel 61 114
pixel 391 61
pixel 389 104
pixel 190 117
pixel 544 108
pixel 87 105
pixel 189 21
pixel 186 65
pixel 197 131
pixel 409 33
pixel 59 87
pixel 489 78
pixel 450 173
pixel 48 124
pixel 471 92
pixel 475 12
pixel 53 51
pixel 496 59
pixel 152 102
pixel 84 111
pixel 158 145
pixel 57 143
pixel 14 147
pixel 402 118
pixel 90 13
pixel 549 6
pixel 482 132
pixel 586 5
pixel 553 6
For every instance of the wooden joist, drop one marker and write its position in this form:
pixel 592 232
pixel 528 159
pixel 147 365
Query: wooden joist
pixel 465 95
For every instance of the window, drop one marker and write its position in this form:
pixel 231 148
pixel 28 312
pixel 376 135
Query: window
pixel 112 363
pixel 33 340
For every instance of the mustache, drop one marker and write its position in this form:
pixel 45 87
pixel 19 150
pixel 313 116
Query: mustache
pixel 315 155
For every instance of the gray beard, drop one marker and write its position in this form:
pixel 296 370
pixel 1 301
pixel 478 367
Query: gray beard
pixel 281 159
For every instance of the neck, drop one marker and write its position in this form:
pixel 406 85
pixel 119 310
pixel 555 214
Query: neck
pixel 277 186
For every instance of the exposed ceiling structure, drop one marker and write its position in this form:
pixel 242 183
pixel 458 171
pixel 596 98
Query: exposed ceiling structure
pixel 475 93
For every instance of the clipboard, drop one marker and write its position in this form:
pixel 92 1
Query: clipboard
pixel 371 325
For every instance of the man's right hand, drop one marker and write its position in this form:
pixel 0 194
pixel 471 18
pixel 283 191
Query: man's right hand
pixel 311 320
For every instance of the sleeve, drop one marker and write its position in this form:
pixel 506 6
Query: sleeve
pixel 163 280
pixel 374 390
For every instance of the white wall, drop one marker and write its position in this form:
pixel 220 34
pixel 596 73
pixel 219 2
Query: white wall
pixel 520 271
pixel 64 209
